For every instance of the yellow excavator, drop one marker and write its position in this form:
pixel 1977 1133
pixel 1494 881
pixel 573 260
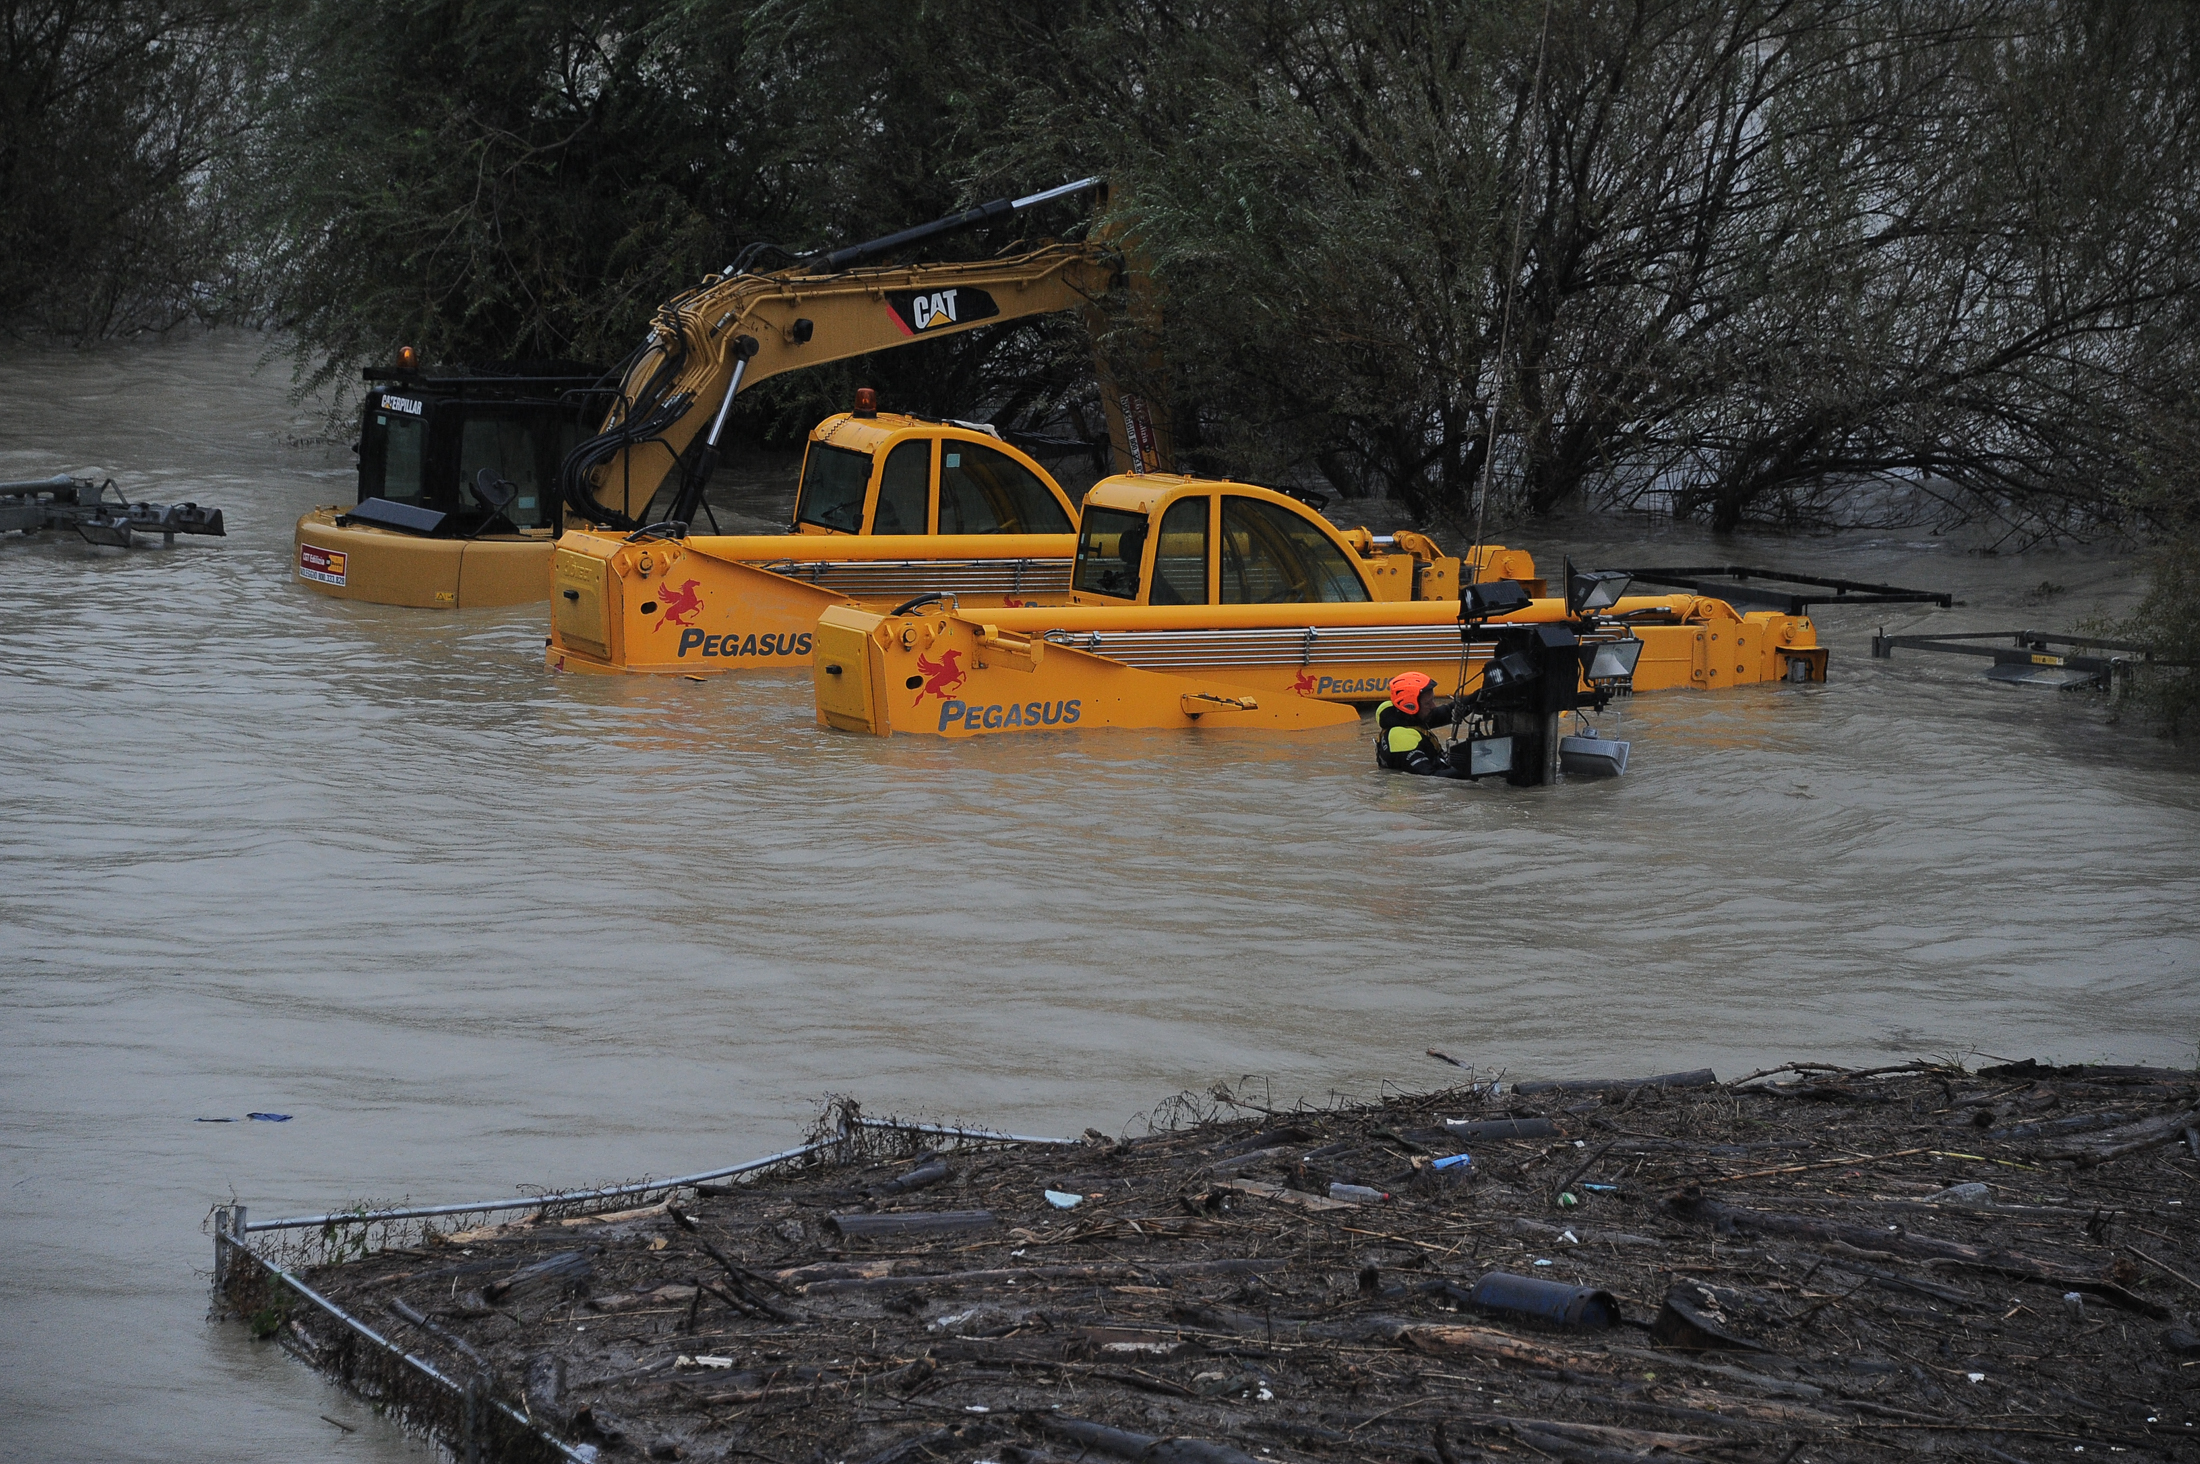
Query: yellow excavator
pixel 471 527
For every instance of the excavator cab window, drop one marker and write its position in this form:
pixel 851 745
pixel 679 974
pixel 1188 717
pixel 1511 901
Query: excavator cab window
pixel 394 449
pixel 522 451
pixel 905 490
pixel 1180 558
pixel 1110 546
pixel 834 483
pixel 1272 556
pixel 987 492
pixel 429 459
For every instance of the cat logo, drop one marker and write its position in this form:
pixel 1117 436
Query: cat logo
pixel 918 311
pixel 926 310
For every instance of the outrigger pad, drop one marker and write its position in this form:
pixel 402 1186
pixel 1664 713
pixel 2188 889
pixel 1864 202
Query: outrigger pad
pixel 100 531
pixel 384 514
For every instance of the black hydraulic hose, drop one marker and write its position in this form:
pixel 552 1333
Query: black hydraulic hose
pixel 908 605
pixel 645 418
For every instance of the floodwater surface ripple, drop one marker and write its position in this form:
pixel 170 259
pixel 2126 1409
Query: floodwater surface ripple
pixel 476 926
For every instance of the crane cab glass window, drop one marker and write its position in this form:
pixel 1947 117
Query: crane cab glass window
pixel 1109 548
pixel 983 491
pixel 1180 556
pixel 519 451
pixel 834 480
pixel 904 490
pixel 394 449
pixel 1272 556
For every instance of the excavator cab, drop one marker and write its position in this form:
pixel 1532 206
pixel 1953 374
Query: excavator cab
pixel 458 474
pixel 424 441
pixel 872 472
pixel 1162 539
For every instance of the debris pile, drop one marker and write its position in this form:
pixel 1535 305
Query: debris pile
pixel 1807 1264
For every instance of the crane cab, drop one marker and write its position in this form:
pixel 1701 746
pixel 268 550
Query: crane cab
pixel 889 474
pixel 1161 539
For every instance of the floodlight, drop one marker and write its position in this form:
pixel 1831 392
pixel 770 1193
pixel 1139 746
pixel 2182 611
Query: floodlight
pixel 1508 670
pixel 1592 756
pixel 1487 755
pixel 1611 659
pixel 1494 597
pixel 1596 589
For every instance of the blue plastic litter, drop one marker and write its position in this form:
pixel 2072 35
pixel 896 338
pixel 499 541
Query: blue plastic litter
pixel 1603 1189
pixel 1452 1161
pixel 270 1117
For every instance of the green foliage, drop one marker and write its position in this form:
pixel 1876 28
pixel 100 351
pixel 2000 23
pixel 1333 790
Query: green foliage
pixel 506 179
pixel 484 181
pixel 2168 621
pixel 267 1319
pixel 120 121
pixel 1741 260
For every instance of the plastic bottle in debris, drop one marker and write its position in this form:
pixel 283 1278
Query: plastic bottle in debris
pixel 1358 1194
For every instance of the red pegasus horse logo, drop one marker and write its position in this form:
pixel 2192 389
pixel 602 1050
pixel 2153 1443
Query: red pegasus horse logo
pixel 941 677
pixel 1304 684
pixel 679 605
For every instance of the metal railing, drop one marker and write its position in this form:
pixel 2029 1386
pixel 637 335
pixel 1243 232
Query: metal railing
pixel 879 579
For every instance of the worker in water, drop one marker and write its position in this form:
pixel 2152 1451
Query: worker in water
pixel 1403 741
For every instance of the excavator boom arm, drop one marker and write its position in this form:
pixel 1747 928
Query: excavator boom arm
pixel 683 380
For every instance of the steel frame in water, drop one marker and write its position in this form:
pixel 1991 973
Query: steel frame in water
pixel 2029 648
pixel 1748 596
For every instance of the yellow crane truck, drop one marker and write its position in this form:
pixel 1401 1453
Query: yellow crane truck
pixel 888 506
pixel 1196 602
pixel 444 520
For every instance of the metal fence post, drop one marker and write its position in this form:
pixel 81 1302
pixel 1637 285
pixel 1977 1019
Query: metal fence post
pixel 229 1226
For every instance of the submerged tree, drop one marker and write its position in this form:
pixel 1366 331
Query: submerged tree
pixel 491 179
pixel 1741 258
pixel 119 120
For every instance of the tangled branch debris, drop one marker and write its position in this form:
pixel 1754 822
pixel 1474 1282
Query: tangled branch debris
pixel 1841 1265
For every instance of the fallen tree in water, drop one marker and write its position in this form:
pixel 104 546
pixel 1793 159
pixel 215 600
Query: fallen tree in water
pixel 1808 1263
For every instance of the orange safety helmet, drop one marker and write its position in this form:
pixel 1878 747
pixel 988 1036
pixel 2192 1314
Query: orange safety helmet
pixel 1405 691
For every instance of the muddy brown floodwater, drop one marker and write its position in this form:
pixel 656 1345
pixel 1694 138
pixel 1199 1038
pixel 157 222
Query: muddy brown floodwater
pixel 475 927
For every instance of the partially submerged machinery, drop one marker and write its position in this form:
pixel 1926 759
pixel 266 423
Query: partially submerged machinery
pixel 659 425
pixel 2040 659
pixel 727 603
pixel 889 506
pixel 458 475
pixel 84 505
pixel 1197 602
